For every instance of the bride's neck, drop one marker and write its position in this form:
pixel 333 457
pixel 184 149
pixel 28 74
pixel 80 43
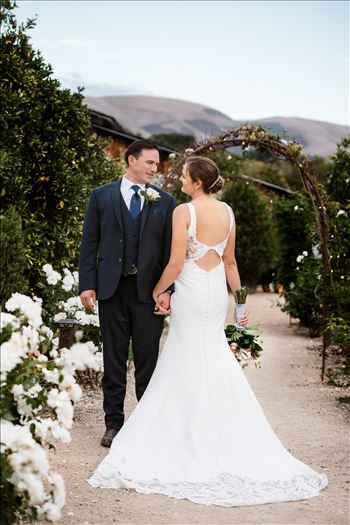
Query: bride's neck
pixel 195 197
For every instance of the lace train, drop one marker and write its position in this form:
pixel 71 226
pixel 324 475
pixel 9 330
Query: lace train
pixel 225 489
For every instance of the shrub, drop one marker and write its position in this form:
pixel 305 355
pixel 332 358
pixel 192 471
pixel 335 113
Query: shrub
pixel 292 217
pixel 38 390
pixel 304 296
pixel 13 256
pixel 255 239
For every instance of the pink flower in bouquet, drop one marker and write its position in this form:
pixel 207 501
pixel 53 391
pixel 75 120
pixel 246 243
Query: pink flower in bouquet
pixel 234 347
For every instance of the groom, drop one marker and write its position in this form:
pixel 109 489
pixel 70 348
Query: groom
pixel 125 247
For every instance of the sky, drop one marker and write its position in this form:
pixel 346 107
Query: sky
pixel 249 60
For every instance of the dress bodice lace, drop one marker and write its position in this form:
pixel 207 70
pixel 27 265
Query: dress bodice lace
pixel 196 249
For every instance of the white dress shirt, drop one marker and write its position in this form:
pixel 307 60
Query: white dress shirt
pixel 127 191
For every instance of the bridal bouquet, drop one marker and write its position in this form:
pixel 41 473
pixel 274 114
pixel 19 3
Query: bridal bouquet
pixel 244 344
pixel 244 341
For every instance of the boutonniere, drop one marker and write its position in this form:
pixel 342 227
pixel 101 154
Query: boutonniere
pixel 150 195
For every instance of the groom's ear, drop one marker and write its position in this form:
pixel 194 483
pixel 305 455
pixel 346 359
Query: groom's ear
pixel 130 160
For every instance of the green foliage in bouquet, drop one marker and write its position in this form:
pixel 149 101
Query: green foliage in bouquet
pixel 240 295
pixel 244 344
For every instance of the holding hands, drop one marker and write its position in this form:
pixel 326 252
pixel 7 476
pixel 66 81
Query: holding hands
pixel 162 300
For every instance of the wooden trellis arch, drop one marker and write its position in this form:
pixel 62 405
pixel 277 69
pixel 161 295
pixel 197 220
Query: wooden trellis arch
pixel 259 138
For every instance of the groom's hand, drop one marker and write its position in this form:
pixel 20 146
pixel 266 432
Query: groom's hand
pixel 88 299
pixel 162 306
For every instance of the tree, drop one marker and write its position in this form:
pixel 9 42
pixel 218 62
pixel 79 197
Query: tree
pixel 293 218
pixel 255 239
pixel 176 141
pixel 49 157
pixel 338 180
pixel 13 254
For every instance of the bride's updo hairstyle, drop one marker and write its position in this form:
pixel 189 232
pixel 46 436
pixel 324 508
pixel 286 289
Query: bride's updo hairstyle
pixel 205 170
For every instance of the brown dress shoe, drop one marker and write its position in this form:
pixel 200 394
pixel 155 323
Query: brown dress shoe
pixel 108 437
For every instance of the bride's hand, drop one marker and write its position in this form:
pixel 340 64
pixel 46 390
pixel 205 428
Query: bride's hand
pixel 162 306
pixel 244 320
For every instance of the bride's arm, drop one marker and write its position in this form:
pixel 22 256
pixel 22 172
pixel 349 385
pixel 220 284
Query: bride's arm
pixel 229 260
pixel 178 250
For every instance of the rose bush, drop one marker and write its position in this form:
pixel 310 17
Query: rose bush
pixel 38 392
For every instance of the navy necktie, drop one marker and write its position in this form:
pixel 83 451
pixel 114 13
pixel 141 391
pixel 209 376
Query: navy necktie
pixel 135 204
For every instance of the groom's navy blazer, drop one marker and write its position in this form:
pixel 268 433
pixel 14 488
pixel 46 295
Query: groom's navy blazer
pixel 102 246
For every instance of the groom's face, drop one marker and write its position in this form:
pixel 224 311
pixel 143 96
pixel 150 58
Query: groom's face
pixel 143 168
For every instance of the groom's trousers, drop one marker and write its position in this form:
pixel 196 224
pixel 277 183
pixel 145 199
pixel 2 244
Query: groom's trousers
pixel 124 317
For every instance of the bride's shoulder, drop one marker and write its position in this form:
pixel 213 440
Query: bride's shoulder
pixel 226 205
pixel 182 212
pixel 182 209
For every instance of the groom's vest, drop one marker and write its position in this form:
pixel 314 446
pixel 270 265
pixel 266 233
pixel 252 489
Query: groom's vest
pixel 131 237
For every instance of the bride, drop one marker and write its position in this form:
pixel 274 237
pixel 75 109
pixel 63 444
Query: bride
pixel 198 432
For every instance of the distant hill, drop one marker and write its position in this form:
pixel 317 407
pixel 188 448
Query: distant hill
pixel 150 115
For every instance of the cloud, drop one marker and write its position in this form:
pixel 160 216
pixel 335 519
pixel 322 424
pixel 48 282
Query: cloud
pixel 109 56
pixel 69 42
pixel 73 42
pixel 103 88
pixel 77 43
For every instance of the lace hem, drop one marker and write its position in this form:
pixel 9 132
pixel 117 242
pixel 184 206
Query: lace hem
pixel 224 490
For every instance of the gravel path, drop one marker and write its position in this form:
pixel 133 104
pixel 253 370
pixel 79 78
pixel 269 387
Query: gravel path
pixel 304 414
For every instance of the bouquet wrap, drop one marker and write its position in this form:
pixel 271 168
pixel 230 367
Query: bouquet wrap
pixel 240 310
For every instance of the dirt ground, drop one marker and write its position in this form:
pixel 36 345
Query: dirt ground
pixel 305 415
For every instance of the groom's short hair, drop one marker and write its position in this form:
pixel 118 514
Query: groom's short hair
pixel 136 147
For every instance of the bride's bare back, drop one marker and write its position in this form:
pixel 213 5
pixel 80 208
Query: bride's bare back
pixel 212 229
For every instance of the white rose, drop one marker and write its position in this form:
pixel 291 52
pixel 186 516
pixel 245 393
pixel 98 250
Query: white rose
pixel 60 433
pixel 57 486
pixel 29 308
pixel 68 283
pixel 60 316
pixel 53 278
pixel 50 511
pixel 17 390
pixel 82 357
pixel 10 319
pixel 12 352
pixel 74 391
pixel 30 483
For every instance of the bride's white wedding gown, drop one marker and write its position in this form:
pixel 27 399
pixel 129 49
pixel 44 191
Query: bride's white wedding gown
pixel 199 432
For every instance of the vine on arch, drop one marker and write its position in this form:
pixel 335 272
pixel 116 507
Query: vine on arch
pixel 253 136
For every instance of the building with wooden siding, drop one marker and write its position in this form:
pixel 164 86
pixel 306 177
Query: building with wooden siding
pixel 119 138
